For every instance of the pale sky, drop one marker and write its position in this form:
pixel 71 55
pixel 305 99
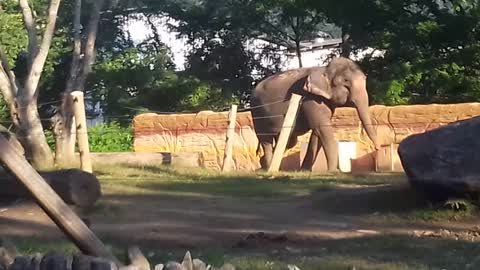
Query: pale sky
pixel 139 30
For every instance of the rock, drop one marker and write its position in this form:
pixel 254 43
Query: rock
pixel 227 267
pixel 20 263
pixel 199 265
pixel 159 267
pixel 8 252
pixel 54 262
pixel 444 162
pixel 174 266
pixel 187 261
pixel 137 258
pixel 105 264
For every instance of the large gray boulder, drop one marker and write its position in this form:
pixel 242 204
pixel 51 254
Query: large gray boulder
pixel 444 162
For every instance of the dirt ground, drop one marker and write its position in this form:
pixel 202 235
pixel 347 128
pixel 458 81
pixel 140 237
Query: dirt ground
pixel 190 222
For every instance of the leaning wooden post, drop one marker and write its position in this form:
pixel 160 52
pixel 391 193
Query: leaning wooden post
pixel 52 204
pixel 287 128
pixel 82 133
pixel 227 158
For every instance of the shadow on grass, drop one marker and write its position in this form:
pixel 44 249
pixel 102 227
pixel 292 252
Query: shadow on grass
pixel 340 194
pixel 367 200
pixel 210 183
pixel 388 252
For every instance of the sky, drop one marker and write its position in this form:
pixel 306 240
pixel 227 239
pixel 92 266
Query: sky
pixel 139 30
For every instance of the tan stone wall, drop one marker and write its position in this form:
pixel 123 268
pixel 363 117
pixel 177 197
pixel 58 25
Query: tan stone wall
pixel 205 132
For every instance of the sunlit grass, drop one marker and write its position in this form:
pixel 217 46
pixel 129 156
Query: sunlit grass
pixel 153 180
pixel 387 252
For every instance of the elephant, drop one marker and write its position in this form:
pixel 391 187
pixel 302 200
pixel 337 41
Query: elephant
pixel 340 83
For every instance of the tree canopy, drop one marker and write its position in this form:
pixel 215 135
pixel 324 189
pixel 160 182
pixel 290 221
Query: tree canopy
pixel 429 49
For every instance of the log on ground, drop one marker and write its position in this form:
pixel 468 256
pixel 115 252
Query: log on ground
pixel 180 159
pixel 74 186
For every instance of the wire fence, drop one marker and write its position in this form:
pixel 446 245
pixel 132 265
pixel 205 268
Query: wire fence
pixel 221 124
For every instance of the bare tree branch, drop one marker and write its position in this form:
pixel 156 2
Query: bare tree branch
pixel 30 25
pixel 8 71
pixel 89 57
pixel 6 86
pixel 31 84
pixel 77 47
pixel 279 31
pixel 155 31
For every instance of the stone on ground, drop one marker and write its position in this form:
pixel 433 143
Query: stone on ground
pixel 445 162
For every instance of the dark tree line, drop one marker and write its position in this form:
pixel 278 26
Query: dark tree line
pixel 429 53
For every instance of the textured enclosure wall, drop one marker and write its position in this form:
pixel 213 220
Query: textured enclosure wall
pixel 205 132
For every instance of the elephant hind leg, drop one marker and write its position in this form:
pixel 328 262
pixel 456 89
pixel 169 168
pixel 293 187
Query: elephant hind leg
pixel 292 142
pixel 266 143
pixel 314 146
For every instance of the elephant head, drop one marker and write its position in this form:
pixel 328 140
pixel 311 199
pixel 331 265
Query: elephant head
pixel 340 82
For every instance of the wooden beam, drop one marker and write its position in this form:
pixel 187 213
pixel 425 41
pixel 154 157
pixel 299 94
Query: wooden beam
pixel 287 128
pixel 52 204
pixel 232 120
pixel 82 132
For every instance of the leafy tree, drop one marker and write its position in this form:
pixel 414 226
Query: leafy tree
pixel 219 34
pixel 37 49
pixel 134 81
pixel 431 48
pixel 290 22
pixel 21 94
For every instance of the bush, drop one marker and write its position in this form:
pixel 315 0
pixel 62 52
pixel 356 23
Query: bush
pixel 110 137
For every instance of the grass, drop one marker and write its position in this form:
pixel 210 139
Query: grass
pixel 388 252
pixel 163 180
pixel 396 205
pixel 334 193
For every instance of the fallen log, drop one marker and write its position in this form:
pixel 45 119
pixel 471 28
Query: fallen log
pixel 74 186
pixel 182 159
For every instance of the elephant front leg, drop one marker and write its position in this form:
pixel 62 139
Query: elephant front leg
pixel 327 140
pixel 314 146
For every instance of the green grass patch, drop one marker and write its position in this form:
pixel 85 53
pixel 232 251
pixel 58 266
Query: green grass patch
pixel 387 252
pixel 152 180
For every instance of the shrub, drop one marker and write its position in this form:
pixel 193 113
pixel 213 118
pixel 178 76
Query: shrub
pixel 110 137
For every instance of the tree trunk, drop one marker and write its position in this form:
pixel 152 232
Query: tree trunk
pixel 346 47
pixel 22 101
pixel 65 134
pixel 32 136
pixel 64 123
pixel 299 53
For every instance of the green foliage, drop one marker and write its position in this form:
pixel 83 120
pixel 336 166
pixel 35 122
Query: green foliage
pixel 432 49
pixel 460 205
pixel 134 81
pixel 4 111
pixel 110 137
pixel 13 39
pixel 50 139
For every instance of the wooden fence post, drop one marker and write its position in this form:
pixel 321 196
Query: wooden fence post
pixel 82 133
pixel 227 158
pixel 287 128
pixel 52 204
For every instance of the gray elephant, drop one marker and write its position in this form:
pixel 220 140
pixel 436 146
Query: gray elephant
pixel 340 83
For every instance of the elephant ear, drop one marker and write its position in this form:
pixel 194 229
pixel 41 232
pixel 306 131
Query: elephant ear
pixel 319 85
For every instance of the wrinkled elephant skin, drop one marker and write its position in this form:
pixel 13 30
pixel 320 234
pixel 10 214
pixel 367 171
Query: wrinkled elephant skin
pixel 323 89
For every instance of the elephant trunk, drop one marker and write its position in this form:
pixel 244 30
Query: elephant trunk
pixel 361 103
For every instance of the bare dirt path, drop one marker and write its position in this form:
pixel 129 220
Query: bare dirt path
pixel 190 222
